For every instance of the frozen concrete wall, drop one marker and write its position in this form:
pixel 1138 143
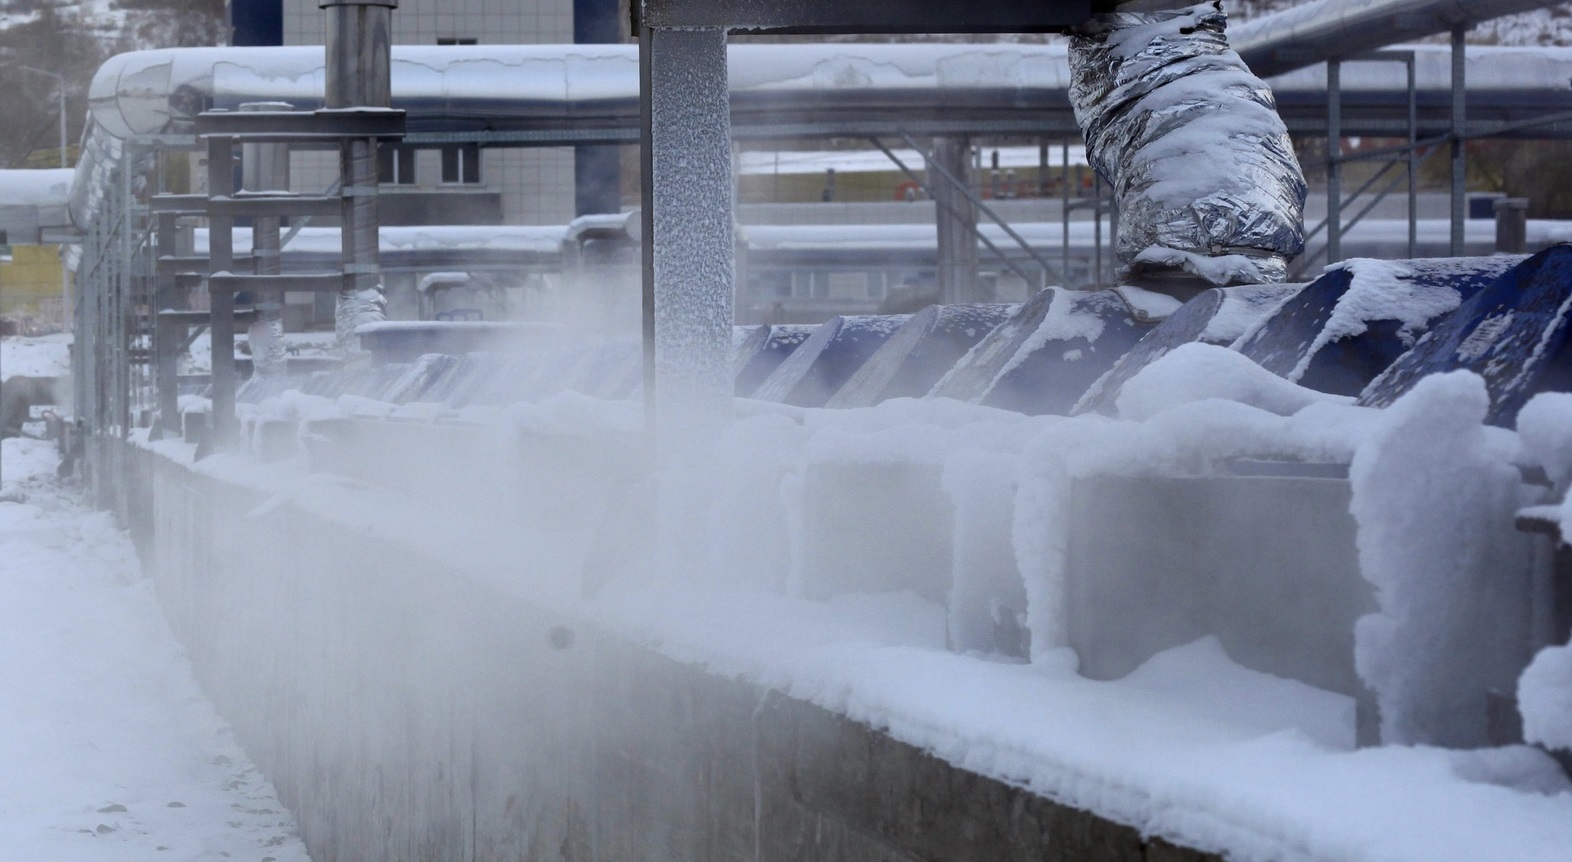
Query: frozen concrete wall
pixel 407 710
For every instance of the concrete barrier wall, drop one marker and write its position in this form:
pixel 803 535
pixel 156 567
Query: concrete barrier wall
pixel 407 711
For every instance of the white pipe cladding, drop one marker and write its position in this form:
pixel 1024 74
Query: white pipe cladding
pixel 1201 164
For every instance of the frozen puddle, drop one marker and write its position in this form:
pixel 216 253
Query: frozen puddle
pixel 108 749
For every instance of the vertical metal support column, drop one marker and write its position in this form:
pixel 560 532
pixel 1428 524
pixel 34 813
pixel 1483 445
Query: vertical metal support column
pixel 359 38
pixel 1413 155
pixel 1459 152
pixel 1064 271
pixel 955 218
pixel 1097 230
pixel 1042 170
pixel 689 244
pixel 265 168
pixel 1334 161
pixel 165 348
pixel 221 254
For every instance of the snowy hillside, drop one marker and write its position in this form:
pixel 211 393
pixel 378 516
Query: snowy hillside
pixel 1550 26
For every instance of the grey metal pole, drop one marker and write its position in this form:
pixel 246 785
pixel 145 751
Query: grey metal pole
pixel 223 425
pixel 358 59
pixel 60 89
pixel 1459 151
pixel 265 168
pixel 690 247
pixel 1413 155
pixel 1064 213
pixel 1334 161
pixel 647 225
pixel 955 219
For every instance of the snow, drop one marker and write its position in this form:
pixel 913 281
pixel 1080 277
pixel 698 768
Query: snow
pixel 1544 695
pixel 109 750
pixel 1197 372
pixel 44 356
pixel 1545 427
pixel 1436 504
pixel 1146 305
pixel 1191 747
pixel 1163 749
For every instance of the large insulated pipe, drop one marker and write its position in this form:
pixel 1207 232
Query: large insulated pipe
pixel 1203 171
pixel 1322 30
pixel 265 168
pixel 359 75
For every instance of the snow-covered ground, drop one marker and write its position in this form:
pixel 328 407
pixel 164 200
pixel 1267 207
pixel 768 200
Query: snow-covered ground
pixel 108 748
pixel 45 356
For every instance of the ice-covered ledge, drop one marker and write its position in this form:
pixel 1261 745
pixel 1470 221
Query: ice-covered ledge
pixel 1191 748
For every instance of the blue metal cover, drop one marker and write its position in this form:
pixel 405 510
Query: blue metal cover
pixel 1513 333
pixel 920 353
pixel 762 351
pixel 1048 353
pixel 823 363
pixel 1296 343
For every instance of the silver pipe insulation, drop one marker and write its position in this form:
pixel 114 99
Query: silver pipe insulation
pixel 359 62
pixel 1203 171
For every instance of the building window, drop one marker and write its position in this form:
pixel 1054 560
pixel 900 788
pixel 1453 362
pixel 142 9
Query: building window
pixel 457 40
pixel 395 165
pixel 461 164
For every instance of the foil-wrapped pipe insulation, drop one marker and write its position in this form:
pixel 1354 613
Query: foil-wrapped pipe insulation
pixel 1202 168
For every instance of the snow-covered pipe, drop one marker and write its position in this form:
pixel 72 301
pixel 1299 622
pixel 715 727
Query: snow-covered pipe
pixel 358 61
pixel 562 87
pixel 1203 170
pixel 1318 31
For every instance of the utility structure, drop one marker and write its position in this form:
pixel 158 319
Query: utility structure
pixel 1341 31
pixel 687 193
pixel 358 115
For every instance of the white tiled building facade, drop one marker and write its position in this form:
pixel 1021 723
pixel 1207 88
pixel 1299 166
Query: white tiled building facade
pixel 536 184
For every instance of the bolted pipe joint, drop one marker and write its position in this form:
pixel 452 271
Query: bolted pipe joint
pixel 359 36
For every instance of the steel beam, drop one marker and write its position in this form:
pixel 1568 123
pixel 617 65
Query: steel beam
pixel 867 16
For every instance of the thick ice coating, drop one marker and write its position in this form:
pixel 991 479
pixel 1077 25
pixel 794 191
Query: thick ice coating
pixel 1201 164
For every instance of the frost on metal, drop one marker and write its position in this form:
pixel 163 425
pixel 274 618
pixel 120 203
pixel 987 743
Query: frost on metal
pixel 692 234
pixel 1201 164
pixel 355 310
pixel 269 352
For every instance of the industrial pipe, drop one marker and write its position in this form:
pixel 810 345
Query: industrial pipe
pixel 359 75
pixel 1203 171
